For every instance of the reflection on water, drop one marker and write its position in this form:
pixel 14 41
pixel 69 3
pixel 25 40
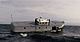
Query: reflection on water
pixel 39 38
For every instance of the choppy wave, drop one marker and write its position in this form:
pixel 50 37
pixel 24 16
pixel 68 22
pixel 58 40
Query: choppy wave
pixel 70 34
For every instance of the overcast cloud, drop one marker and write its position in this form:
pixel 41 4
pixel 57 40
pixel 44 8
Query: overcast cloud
pixel 22 10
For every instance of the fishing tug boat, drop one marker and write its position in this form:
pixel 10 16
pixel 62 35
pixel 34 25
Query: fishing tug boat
pixel 39 25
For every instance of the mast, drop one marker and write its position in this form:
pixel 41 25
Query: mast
pixel 11 18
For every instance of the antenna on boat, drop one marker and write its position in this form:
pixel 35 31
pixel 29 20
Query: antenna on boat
pixel 11 18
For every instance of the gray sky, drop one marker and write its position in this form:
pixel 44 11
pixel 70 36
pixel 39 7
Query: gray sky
pixel 22 10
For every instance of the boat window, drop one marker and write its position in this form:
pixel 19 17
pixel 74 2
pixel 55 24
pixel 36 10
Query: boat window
pixel 39 27
pixel 45 22
pixel 42 22
pixel 46 27
pixel 24 27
